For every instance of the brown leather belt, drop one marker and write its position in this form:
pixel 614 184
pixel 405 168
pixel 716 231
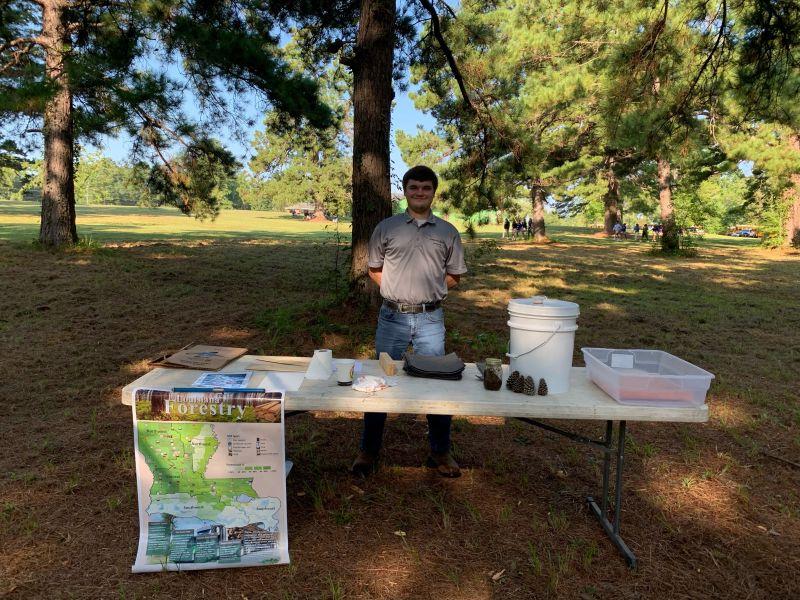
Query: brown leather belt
pixel 412 308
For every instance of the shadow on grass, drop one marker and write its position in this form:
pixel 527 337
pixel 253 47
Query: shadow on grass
pixel 76 328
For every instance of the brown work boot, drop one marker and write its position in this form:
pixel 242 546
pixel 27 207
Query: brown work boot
pixel 365 464
pixel 444 465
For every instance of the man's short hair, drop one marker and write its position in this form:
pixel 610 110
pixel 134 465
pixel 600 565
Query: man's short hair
pixel 421 173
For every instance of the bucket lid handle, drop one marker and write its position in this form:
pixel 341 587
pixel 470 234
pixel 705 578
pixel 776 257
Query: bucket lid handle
pixel 537 346
pixel 538 299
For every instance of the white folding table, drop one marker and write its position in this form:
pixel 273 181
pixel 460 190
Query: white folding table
pixel 467 397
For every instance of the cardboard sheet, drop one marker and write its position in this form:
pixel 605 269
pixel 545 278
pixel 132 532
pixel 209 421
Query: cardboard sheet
pixel 199 356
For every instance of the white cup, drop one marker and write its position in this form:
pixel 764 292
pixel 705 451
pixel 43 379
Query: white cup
pixel 344 371
pixel 324 358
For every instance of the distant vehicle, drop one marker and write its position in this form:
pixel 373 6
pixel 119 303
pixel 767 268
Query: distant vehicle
pixel 749 233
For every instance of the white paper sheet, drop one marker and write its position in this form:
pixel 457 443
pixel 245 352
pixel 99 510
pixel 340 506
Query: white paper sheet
pixel 279 380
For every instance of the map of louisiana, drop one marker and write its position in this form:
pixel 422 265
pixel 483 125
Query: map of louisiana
pixel 178 454
pixel 211 494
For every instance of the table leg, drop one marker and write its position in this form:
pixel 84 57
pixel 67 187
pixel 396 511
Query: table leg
pixel 608 441
pixel 601 512
pixel 606 446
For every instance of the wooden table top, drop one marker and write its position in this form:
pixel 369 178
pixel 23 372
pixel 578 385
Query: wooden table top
pixel 415 395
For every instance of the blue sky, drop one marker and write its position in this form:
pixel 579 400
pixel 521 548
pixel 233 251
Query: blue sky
pixel 405 117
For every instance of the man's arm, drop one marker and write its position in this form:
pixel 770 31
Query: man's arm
pixel 450 279
pixel 375 275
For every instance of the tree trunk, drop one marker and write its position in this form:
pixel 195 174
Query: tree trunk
pixel 372 103
pixel 58 193
pixel 670 241
pixel 793 218
pixel 537 202
pixel 612 214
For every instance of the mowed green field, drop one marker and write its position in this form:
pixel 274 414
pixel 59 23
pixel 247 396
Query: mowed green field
pixel 19 222
pixel 711 509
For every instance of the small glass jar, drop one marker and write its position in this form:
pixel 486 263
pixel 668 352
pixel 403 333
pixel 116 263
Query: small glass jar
pixel 493 374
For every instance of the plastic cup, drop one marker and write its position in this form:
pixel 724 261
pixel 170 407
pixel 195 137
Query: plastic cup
pixel 344 371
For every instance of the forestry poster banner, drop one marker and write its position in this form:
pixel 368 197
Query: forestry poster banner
pixel 211 479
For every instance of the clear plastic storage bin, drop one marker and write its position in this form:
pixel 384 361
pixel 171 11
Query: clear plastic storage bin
pixel 647 377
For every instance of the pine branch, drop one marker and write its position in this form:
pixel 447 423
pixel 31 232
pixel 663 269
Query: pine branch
pixel 711 54
pixel 28 42
pixel 152 121
pixel 23 46
pixel 687 96
pixel 451 61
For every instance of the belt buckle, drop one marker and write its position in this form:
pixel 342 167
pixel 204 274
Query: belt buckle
pixel 404 308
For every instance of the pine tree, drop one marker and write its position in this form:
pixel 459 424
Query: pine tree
pixel 77 68
pixel 524 122
pixel 295 162
pixel 767 52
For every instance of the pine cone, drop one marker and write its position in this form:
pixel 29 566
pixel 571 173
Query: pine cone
pixel 511 379
pixel 542 387
pixel 529 388
pixel 519 384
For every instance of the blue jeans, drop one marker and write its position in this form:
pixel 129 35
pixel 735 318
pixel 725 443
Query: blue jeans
pixel 425 332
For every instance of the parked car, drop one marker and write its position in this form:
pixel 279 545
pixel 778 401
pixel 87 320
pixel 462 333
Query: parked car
pixel 745 233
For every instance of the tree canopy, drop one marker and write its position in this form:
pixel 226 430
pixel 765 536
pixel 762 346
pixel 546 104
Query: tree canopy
pixel 76 70
pixel 616 103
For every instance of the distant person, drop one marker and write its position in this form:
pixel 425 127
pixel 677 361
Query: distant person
pixel 625 231
pixel 415 258
pixel 506 226
pixel 636 230
pixel 617 229
pixel 529 230
pixel 645 233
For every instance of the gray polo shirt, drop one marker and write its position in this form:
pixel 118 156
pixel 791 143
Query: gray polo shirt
pixel 415 257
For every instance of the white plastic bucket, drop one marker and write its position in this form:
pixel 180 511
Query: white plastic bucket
pixel 543 339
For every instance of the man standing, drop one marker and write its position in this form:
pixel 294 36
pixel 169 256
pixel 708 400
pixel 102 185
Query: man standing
pixel 415 258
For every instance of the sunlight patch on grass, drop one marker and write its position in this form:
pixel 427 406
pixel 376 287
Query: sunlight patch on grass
pixel 608 307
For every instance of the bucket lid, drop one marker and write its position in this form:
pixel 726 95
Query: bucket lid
pixel 542 306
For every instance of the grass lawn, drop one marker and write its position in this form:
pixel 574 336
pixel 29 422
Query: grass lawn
pixel 710 509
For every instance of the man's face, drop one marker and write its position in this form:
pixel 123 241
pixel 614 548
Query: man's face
pixel 419 195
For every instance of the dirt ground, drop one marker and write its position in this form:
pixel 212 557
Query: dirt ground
pixel 712 510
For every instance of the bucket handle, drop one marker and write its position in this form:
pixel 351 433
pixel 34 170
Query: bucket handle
pixel 550 337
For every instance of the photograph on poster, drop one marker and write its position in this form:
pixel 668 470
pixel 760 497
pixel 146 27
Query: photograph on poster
pixel 223 380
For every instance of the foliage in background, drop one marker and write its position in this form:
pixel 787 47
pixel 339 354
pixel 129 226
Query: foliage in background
pixel 100 180
pixel 295 163
pixel 619 106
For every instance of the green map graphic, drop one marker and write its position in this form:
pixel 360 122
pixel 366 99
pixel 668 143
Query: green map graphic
pixel 178 455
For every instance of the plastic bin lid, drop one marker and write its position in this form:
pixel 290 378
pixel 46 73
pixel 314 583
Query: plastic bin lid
pixel 542 306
